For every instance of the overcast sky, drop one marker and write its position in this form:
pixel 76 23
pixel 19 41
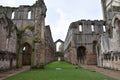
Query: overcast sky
pixel 60 13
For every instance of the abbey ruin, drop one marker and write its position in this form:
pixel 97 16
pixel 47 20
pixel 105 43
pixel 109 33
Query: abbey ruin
pixel 96 42
pixel 26 40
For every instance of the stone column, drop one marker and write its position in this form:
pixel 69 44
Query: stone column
pixel 40 43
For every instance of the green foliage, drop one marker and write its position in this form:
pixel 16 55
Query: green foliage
pixel 30 27
pixel 67 72
pixel 19 33
pixel 37 40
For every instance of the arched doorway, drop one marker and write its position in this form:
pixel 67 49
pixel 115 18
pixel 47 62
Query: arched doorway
pixel 26 54
pixel 81 53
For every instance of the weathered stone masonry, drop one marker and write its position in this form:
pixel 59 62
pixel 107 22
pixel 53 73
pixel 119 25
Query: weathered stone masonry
pixel 83 34
pixel 96 42
pixel 111 53
pixel 8 40
pixel 28 39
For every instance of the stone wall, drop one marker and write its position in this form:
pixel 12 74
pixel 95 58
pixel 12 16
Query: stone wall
pixel 110 54
pixel 26 25
pixel 50 46
pixel 88 37
pixel 8 43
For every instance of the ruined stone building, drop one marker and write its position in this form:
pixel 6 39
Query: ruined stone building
pixel 96 42
pixel 24 38
pixel 83 37
pixel 111 53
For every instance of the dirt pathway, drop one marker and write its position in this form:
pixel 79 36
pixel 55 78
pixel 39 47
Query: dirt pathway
pixel 111 73
pixel 13 72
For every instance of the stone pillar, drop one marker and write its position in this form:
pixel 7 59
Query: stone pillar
pixel 19 58
pixel 33 62
pixel 40 43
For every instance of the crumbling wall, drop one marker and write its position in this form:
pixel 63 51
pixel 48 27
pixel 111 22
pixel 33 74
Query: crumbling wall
pixel 8 43
pixel 85 33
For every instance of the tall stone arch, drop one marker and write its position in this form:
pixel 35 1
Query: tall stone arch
pixel 59 54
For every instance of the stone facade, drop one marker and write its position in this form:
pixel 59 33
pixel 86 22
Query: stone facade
pixel 8 40
pixel 111 54
pixel 50 48
pixel 100 43
pixel 30 41
pixel 83 35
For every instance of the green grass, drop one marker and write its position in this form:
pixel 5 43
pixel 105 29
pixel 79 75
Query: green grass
pixel 68 72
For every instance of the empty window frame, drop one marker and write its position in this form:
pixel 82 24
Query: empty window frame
pixel 29 15
pixel 104 28
pixel 13 15
pixel 80 28
pixel 93 28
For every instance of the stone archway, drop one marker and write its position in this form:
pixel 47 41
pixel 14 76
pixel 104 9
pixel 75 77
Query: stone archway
pixel 81 53
pixel 59 54
pixel 26 54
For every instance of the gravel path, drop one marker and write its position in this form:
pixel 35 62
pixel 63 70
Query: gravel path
pixel 111 73
pixel 13 72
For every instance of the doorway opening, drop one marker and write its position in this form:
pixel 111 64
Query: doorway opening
pixel 26 54
pixel 81 53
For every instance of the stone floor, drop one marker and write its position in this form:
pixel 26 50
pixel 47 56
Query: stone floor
pixel 13 72
pixel 108 72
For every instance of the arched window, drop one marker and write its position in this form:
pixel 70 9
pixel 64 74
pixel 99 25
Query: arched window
pixel 29 15
pixel 92 27
pixel 80 28
pixel 104 28
pixel 13 15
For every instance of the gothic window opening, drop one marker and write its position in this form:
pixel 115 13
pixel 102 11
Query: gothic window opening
pixel 13 15
pixel 93 28
pixel 29 15
pixel 80 28
pixel 104 28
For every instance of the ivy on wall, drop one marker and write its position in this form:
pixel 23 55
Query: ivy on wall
pixel 30 27
pixel 37 40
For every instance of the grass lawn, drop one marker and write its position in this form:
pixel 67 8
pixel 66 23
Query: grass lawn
pixel 59 71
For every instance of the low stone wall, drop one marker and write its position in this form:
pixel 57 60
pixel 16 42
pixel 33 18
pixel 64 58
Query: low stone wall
pixel 7 60
pixel 112 60
pixel 111 64
pixel 6 64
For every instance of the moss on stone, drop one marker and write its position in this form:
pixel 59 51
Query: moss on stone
pixel 37 40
